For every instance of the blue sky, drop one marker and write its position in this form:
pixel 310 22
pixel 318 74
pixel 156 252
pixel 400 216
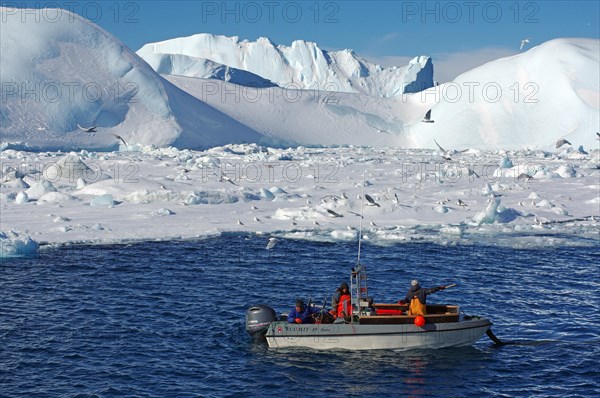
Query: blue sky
pixel 459 35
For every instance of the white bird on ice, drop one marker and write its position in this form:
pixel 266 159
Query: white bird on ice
pixel 524 42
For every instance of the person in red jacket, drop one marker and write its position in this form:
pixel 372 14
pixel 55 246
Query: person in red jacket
pixel 341 305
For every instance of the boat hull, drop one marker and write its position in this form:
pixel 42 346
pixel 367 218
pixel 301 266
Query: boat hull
pixel 354 336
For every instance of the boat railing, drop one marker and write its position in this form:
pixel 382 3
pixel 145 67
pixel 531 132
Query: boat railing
pixel 430 308
pixel 397 314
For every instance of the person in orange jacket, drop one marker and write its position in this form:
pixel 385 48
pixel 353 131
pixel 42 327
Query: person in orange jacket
pixel 341 305
pixel 417 298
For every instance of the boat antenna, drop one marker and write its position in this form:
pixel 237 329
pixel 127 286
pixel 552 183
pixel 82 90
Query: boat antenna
pixel 362 203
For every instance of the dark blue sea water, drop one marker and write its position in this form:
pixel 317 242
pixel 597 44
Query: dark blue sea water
pixel 167 320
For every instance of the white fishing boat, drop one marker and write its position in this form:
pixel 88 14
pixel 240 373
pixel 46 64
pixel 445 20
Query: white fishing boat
pixel 372 325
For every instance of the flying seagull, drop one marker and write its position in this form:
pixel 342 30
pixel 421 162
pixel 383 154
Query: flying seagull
pixel 427 118
pixel 598 138
pixel 379 130
pixel 87 129
pixel 271 244
pixel 524 42
pixel 371 201
pixel 334 214
pixel 225 178
pixel 445 153
pixel 562 142
pixel 472 172
pixel 120 139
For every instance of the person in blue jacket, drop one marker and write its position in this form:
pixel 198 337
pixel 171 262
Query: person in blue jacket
pixel 302 313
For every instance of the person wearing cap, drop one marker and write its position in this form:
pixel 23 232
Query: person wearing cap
pixel 302 313
pixel 341 305
pixel 417 298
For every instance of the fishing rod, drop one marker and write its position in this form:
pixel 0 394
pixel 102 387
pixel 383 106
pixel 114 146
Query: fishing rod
pixel 362 202
pixel 356 276
pixel 449 286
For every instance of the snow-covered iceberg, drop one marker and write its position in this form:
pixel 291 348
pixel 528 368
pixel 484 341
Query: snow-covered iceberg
pixel 532 99
pixel 302 65
pixel 72 75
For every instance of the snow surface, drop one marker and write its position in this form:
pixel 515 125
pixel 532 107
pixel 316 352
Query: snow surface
pixel 309 117
pixel 303 65
pixel 302 193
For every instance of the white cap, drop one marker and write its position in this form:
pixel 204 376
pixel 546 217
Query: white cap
pixel 414 282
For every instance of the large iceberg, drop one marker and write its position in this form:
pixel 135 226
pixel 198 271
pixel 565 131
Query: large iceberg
pixel 302 65
pixel 72 75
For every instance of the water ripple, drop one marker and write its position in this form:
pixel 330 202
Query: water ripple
pixel 166 319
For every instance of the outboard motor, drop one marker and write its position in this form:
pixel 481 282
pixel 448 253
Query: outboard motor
pixel 258 318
